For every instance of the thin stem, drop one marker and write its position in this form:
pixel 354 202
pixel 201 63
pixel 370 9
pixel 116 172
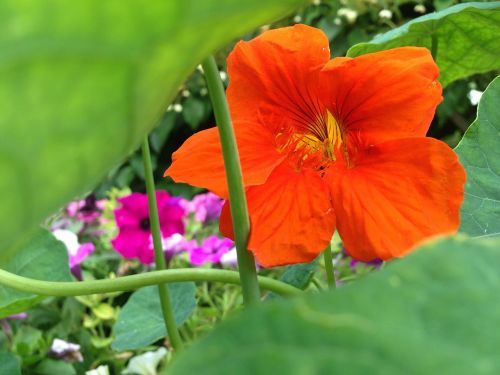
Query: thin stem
pixel 154 220
pixel 328 259
pixel 124 283
pixel 237 199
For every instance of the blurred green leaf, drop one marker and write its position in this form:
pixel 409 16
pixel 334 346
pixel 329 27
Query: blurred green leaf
pixel 140 322
pixel 40 257
pixel 193 112
pixel 466 39
pixel 51 366
pixel 434 312
pixel 162 131
pixel 82 82
pixel 9 364
pixel 479 152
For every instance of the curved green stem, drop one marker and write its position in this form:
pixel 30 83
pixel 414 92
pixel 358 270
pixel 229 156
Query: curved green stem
pixel 154 220
pixel 124 283
pixel 237 199
pixel 328 258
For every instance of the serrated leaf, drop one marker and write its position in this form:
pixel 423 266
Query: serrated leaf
pixel 41 257
pixel 479 152
pixel 465 38
pixel 140 322
pixel 430 313
pixel 82 82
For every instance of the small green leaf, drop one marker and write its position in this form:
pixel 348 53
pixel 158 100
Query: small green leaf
pixel 434 312
pixel 104 311
pixel 9 364
pixel 479 152
pixel 299 275
pixel 193 112
pixel 51 366
pixel 465 39
pixel 140 322
pixel 40 257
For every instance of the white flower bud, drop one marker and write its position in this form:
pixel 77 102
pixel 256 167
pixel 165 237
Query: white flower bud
pixel 385 13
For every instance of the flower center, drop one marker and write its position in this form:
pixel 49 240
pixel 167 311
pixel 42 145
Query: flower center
pixel 323 135
pixel 315 143
pixel 145 224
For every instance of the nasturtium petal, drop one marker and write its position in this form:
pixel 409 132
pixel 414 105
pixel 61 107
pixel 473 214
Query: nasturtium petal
pixel 479 152
pixel 384 95
pixel 464 39
pixel 290 216
pixel 82 82
pixel 273 73
pixel 199 160
pixel 397 194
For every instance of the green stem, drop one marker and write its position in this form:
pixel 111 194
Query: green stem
pixel 328 259
pixel 124 283
pixel 154 220
pixel 237 199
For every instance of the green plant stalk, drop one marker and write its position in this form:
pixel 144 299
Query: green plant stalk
pixel 132 282
pixel 154 221
pixel 237 199
pixel 328 259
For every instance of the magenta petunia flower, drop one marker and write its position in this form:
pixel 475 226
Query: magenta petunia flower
pixel 134 238
pixel 205 207
pixel 211 250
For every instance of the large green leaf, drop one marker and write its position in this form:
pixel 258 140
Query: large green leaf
pixel 479 152
pixel 83 81
pixel 140 323
pixel 40 257
pixel 435 312
pixel 465 39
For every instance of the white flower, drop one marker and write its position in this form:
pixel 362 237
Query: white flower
pixel 474 96
pixel 337 21
pixel 297 19
pixel 420 8
pixel 185 93
pixel 69 238
pixel 64 349
pixel 101 370
pixel 203 91
pixel 385 13
pixel 316 2
pixel 349 14
pixel 223 75
pixel 177 108
pixel 145 364
pixel 230 258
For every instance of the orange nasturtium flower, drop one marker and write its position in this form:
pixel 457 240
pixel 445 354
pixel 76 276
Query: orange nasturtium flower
pixel 331 144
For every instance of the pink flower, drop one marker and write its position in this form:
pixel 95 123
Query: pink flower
pixel 205 207
pixel 177 243
pixel 134 237
pixel 211 250
pixel 86 210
